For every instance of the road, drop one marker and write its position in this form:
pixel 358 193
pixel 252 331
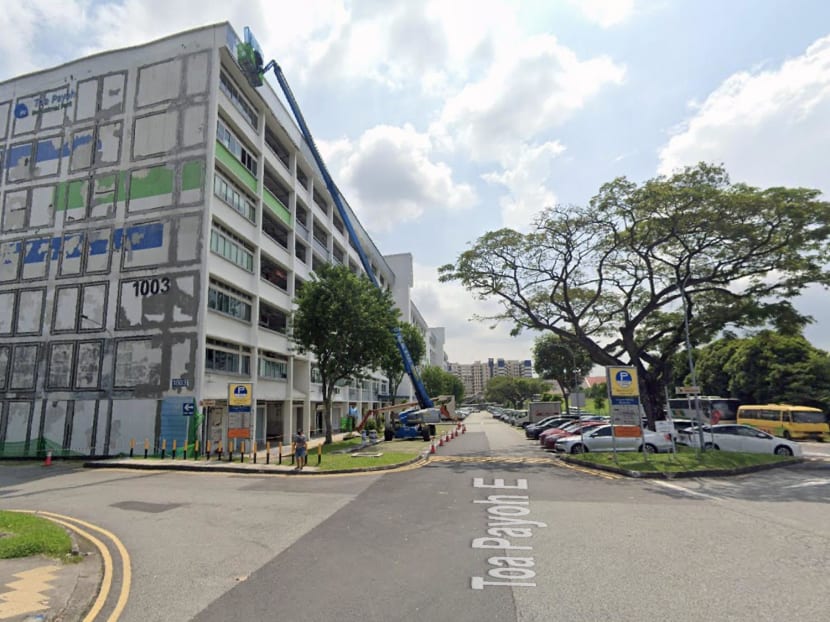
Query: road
pixel 493 529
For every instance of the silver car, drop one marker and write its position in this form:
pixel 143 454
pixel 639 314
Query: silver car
pixel 741 438
pixel 601 439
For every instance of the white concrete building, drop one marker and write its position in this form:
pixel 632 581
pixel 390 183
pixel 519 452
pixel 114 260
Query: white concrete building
pixel 158 215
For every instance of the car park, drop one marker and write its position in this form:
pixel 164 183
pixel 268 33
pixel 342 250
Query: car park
pixel 739 438
pixel 601 438
pixel 549 437
pixel 535 429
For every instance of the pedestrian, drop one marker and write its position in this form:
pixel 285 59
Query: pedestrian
pixel 300 449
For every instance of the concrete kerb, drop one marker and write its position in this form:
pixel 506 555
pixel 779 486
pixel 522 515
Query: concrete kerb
pixel 681 474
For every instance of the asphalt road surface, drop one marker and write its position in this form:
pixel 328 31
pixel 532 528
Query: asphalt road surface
pixel 492 529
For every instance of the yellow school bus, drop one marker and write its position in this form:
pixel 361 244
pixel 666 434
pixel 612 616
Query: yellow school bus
pixel 795 422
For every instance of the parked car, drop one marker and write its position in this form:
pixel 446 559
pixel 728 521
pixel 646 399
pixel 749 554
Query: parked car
pixel 600 438
pixel 741 438
pixel 548 438
pixel 535 429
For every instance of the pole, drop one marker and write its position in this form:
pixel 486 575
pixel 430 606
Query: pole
pixel 691 361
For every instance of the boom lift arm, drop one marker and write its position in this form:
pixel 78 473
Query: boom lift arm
pixel 251 61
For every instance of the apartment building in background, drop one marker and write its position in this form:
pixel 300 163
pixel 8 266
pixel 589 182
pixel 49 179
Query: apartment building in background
pixel 158 216
pixel 475 376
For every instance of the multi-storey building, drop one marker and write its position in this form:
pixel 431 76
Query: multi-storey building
pixel 158 216
pixel 475 376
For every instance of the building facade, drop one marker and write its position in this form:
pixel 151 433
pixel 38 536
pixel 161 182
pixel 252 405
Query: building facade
pixel 158 216
pixel 475 376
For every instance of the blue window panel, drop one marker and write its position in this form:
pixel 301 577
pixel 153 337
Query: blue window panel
pixel 18 153
pixel 38 251
pixel 46 150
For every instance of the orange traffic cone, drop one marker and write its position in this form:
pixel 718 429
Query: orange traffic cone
pixel 441 442
pixel 432 448
pixel 464 429
pixel 48 461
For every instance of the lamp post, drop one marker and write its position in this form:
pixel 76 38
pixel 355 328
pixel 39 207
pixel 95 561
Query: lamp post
pixel 570 351
pixel 681 285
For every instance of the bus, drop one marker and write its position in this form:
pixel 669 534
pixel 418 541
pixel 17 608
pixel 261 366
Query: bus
pixel 791 422
pixel 713 409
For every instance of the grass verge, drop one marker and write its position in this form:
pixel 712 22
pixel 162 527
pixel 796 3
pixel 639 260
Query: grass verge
pixel 686 459
pixel 24 535
pixel 337 457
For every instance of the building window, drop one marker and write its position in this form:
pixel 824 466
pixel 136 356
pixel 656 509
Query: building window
pixel 227 358
pixel 230 246
pixel 273 272
pixel 239 102
pixel 275 230
pixel 272 318
pixel 234 145
pixel 233 196
pixel 271 366
pixel 229 300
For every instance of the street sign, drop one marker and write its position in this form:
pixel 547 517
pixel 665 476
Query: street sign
pixel 625 414
pixel 188 409
pixel 687 390
pixel 240 394
pixel 208 402
pixel 179 383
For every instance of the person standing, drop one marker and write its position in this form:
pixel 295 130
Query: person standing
pixel 300 449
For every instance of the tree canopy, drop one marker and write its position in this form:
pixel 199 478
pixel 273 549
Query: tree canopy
pixel 766 368
pixel 553 359
pixel 344 321
pixel 620 277
pixel 438 381
pixel 514 391
pixel 392 363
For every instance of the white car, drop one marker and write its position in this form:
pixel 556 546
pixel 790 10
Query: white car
pixel 600 439
pixel 741 438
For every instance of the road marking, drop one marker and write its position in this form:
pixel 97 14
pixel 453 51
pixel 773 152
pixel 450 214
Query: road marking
pixel 677 488
pixel 588 470
pixel 491 459
pixel 812 482
pixel 106 584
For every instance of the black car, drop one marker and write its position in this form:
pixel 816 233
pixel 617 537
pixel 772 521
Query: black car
pixel 535 429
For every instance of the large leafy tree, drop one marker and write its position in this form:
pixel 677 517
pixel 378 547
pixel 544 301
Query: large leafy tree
pixel 555 360
pixel 438 381
pixel 344 321
pixel 773 368
pixel 621 277
pixel 514 391
pixel 392 364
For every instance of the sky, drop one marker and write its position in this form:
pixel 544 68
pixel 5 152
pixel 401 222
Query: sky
pixel 441 120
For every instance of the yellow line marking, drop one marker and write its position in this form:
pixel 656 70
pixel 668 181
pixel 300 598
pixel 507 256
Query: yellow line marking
pixel 126 572
pixel 106 583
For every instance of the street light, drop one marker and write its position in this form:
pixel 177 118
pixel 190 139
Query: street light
pixel 570 351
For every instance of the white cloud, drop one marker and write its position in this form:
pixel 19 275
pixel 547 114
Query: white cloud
pixel 527 182
pixel 451 306
pixel 391 176
pixel 605 13
pixel 526 92
pixel 767 127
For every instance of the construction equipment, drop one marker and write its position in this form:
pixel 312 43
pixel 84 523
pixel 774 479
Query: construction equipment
pixel 251 61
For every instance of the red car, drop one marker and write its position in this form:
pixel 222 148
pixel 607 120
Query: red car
pixel 548 438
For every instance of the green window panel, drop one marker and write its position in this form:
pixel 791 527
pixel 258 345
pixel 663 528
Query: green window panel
pixel 276 206
pixel 235 166
pixel 76 195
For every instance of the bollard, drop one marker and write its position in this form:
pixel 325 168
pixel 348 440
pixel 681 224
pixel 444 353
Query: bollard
pixel 319 453
pixel 173 451
pixel 163 447
pixel 242 453
pixel 196 450
pixel 146 447
pixel 279 452
pixel 292 453
pixel 267 452
pixel 219 451
pixel 132 447
pixel 207 450
pixel 231 449
pixel 254 450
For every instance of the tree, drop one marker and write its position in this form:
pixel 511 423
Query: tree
pixel 392 364
pixel 344 321
pixel 438 381
pixel 513 391
pixel 555 360
pixel 621 277
pixel 771 368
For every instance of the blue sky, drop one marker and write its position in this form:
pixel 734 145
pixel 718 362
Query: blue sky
pixel 441 120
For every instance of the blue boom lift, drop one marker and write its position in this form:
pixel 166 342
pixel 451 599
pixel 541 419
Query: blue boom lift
pixel 249 56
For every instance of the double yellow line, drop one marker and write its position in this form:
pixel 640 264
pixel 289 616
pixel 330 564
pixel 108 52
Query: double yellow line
pixel 106 583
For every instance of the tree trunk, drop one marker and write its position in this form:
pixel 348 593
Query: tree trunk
pixel 327 416
pixel 651 396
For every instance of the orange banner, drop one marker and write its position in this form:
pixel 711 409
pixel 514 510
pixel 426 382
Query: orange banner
pixel 626 431
pixel 239 433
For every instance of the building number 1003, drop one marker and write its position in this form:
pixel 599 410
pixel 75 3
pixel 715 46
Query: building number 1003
pixel 151 287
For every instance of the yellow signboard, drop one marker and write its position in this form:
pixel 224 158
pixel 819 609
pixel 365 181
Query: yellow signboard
pixel 623 382
pixel 240 393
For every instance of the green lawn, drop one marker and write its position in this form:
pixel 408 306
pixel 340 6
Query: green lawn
pixel 392 452
pixel 24 535
pixel 686 459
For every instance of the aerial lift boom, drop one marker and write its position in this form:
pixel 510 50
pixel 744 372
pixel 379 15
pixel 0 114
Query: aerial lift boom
pixel 250 59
